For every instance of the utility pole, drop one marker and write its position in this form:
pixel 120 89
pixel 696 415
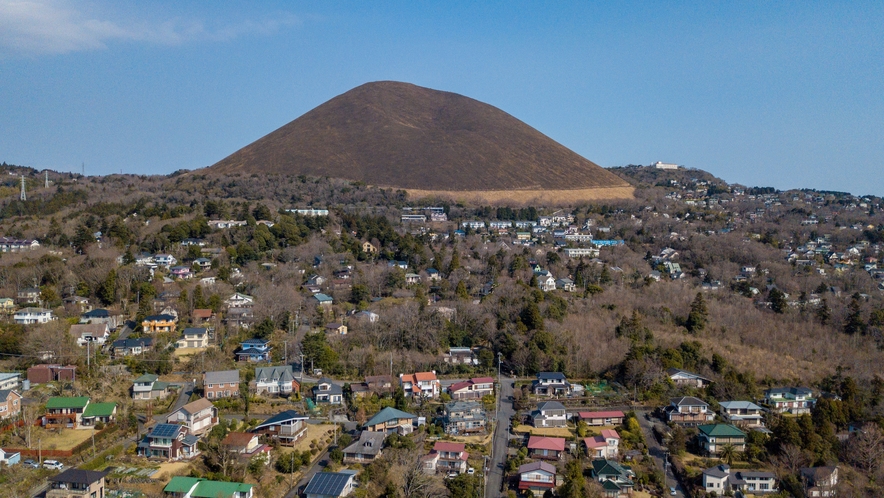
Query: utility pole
pixel 88 355
pixel 302 367
pixel 285 352
pixel 23 196
pixel 47 179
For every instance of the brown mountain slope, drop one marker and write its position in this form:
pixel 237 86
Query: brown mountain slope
pixel 400 135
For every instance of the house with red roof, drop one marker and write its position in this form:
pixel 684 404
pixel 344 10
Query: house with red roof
pixel 472 389
pixel 446 457
pixel 549 448
pixel 606 445
pixel 602 418
pixel 424 384
pixel 537 477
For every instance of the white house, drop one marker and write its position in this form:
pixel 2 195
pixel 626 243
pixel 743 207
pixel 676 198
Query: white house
pixel 28 316
pixel 606 445
pixel 199 416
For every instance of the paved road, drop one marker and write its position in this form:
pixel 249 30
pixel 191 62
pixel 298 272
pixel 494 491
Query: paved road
pixel 183 397
pixel 657 452
pixel 317 467
pixel 501 439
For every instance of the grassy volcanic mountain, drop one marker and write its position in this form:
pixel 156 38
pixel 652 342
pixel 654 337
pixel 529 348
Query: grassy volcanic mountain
pixel 426 141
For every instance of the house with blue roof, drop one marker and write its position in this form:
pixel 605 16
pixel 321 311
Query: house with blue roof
pixel 330 484
pixel 254 349
pixel 286 427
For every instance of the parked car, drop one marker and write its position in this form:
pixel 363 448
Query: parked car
pixel 672 491
pixel 32 464
pixel 53 464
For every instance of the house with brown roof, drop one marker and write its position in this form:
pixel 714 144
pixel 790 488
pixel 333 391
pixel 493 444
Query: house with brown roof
pixel 95 333
pixel 199 416
pixel 605 445
pixel 421 384
pixel 474 388
pixel 244 444
pixel 201 315
pixel 601 418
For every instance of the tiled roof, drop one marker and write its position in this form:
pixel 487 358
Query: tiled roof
pixel 222 376
pixel 546 443
pixel 388 414
pixel 609 414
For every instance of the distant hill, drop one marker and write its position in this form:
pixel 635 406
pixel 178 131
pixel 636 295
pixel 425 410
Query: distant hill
pixel 429 142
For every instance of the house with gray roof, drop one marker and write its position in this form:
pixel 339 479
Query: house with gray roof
pixel 327 392
pixel 366 449
pixel 278 380
pixel 550 414
pixel 221 384
pixel 721 479
pixel 743 413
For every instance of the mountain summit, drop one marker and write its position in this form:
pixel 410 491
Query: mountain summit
pixel 400 135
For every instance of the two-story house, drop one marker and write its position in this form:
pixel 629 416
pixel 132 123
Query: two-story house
pixel 159 323
pixel 475 388
pixel 689 411
pixel 239 300
pixel 390 419
pixel 327 392
pixel 365 449
pixel 464 418
pixel 602 418
pixel 196 487
pixel 721 480
pixel 547 448
pixel 420 384
pixel 794 400
pixel 255 350
pixel 148 387
pixel 819 482
pixel 447 458
pixel 713 436
pixel 10 380
pixel 168 442
pixel 28 295
pixel 550 414
pixel 30 316
pixel 683 378
pixel 198 416
pixel 617 481
pixel 245 444
pixel 537 477
pixel 10 403
pixel 551 384
pixel 605 445
pixel 65 412
pixel 286 427
pixel 95 333
pixel 194 337
pixel 76 483
pixel 221 384
pixel 279 380
pixel 743 413
pixel 166 260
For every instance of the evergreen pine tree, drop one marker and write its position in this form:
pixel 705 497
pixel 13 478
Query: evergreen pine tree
pixel 698 316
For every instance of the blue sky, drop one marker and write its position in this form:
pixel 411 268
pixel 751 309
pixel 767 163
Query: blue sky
pixel 784 94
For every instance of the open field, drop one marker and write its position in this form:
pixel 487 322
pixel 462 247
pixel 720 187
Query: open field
pixel 553 197
pixel 64 439
pixel 314 431
pixel 544 431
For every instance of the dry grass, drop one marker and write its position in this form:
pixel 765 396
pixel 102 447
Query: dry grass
pixel 314 431
pixel 63 439
pixel 187 351
pixel 480 440
pixel 167 470
pixel 542 197
pixel 544 431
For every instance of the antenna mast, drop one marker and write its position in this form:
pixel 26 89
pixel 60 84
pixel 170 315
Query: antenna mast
pixel 47 179
pixel 23 196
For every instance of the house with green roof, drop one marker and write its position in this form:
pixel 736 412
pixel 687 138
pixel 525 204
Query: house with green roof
pixel 65 411
pixel 196 487
pixel 148 386
pixel 391 420
pixel 616 479
pixel 713 436
pixel 106 413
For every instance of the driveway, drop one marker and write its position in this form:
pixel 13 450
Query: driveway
pixel 183 397
pixel 320 464
pixel 494 476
